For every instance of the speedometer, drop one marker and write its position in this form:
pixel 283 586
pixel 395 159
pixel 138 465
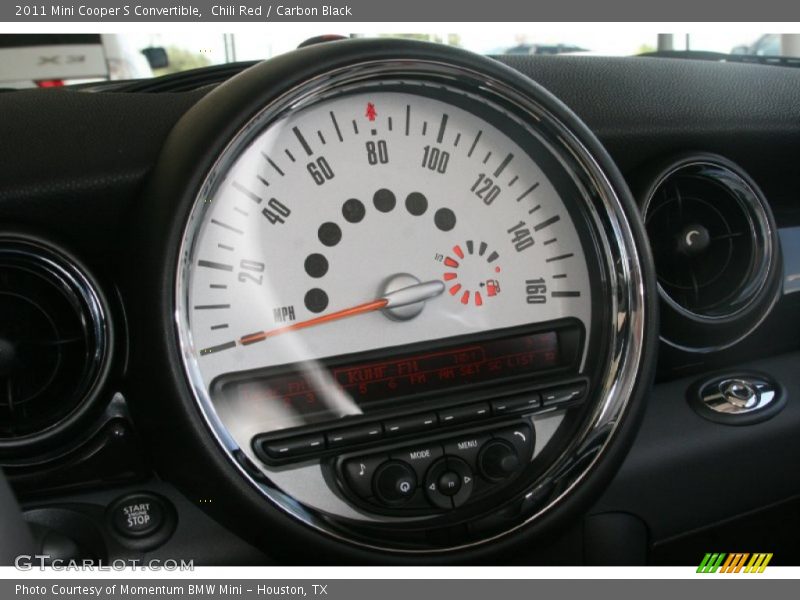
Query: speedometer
pixel 409 289
pixel 385 216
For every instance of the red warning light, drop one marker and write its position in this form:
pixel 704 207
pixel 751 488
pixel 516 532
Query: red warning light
pixel 371 112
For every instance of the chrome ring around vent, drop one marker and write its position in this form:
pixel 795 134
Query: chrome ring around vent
pixel 715 245
pixel 50 294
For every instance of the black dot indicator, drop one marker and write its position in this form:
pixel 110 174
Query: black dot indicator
pixel 316 300
pixel 445 219
pixel 316 265
pixel 353 210
pixel 329 234
pixel 384 200
pixel 416 204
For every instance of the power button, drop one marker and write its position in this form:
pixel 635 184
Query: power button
pixel 138 515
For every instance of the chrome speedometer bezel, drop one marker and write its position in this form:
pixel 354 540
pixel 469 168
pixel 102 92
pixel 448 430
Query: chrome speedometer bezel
pixel 629 276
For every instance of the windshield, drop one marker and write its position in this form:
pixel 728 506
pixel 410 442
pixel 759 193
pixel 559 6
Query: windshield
pixel 52 60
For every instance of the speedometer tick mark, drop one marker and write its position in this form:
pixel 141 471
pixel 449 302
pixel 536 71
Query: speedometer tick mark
pixel 455 289
pixel 321 137
pixel 513 181
pixel 272 164
pixel 482 249
pixel 220 326
pixel 290 155
pixel 390 123
pixel 442 127
pixel 408 117
pixel 493 257
pixel 241 211
pixel 534 209
pixel 336 126
pixel 485 160
pixel 355 127
pixel 302 140
pixel 215 265
pixel 220 347
pixel 238 186
pixel 458 138
pixel 226 226
pixel 547 223
pixel 528 191
pixel 373 132
pixel 425 128
pixel 263 181
pixel 218 286
pixel 550 241
pixel 475 143
pixel 211 306
pixel 565 294
pixel 560 276
pixel 225 247
pixel 560 257
pixel 503 164
pixel 470 246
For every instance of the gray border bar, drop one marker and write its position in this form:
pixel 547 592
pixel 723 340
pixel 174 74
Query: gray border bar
pixel 732 587
pixel 439 11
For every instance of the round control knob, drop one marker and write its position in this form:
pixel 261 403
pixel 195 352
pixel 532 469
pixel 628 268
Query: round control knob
pixel 395 482
pixel 449 483
pixel 498 460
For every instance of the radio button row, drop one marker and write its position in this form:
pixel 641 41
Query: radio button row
pixel 354 435
pixel 295 446
pixel 529 402
pixel 462 414
pixel 563 395
pixel 411 424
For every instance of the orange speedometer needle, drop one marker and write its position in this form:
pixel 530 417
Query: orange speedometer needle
pixel 402 297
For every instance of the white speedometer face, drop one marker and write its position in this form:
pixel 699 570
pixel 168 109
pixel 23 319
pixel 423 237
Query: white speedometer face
pixel 377 222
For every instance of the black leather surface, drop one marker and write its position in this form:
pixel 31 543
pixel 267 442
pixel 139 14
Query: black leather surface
pixel 72 162
pixel 642 107
pixel 15 538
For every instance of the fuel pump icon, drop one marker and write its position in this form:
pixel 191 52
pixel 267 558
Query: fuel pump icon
pixel 492 287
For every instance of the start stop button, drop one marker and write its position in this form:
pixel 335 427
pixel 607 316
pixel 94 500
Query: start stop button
pixel 138 515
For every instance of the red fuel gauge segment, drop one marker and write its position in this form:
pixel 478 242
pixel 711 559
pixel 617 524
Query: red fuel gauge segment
pixel 470 289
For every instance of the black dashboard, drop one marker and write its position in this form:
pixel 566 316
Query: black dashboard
pixel 629 429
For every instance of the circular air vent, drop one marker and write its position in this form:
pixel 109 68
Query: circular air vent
pixel 54 341
pixel 714 245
